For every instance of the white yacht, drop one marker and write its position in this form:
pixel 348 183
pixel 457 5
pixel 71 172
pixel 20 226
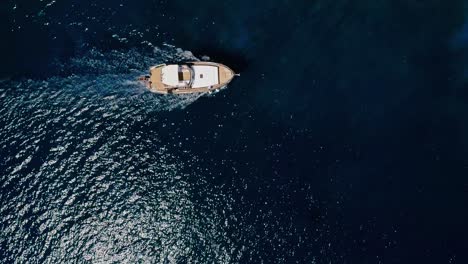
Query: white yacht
pixel 190 77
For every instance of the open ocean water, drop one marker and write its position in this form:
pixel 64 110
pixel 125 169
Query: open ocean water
pixel 345 140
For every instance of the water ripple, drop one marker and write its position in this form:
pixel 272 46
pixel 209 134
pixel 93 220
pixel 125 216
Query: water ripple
pixel 81 182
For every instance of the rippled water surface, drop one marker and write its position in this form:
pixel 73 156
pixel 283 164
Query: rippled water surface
pixel 84 183
pixel 343 140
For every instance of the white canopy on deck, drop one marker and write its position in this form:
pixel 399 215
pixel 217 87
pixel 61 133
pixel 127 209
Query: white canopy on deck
pixel 205 76
pixel 170 75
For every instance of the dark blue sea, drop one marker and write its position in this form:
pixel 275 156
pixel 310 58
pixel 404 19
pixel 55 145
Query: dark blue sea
pixel 344 140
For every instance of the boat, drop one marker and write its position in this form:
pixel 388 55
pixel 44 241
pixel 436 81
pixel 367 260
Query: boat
pixel 190 77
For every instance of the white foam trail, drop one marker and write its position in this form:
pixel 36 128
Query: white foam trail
pixel 104 79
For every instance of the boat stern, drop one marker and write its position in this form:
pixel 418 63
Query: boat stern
pixel 144 79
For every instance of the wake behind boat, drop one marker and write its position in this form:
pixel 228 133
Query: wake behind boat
pixel 191 77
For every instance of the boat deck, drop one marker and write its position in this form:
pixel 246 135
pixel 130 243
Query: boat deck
pixel 225 74
pixel 155 81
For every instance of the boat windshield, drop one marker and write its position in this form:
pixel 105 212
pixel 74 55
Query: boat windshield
pixel 192 75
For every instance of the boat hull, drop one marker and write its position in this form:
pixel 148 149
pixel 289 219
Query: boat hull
pixel 155 81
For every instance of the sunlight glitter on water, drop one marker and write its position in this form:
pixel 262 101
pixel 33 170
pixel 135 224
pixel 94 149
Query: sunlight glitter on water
pixel 84 184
